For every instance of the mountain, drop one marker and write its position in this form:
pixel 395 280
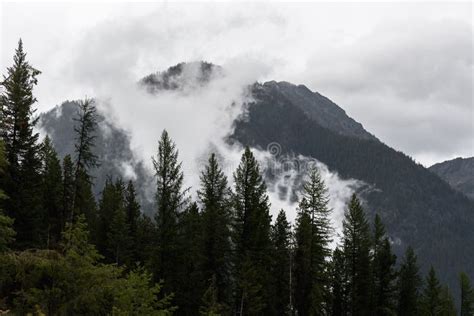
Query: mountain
pixel 459 173
pixel 418 208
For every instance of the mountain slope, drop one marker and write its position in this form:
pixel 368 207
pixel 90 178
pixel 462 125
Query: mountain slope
pixel 412 201
pixel 459 173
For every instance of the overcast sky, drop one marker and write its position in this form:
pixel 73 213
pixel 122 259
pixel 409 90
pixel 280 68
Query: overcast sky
pixel 405 71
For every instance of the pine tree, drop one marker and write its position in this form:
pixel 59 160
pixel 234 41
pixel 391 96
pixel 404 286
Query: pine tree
pixel 132 212
pixel 430 304
pixel 216 248
pixel 211 305
pixel 384 274
pixel 190 284
pixel 146 233
pixel 85 159
pixel 409 284
pixel 68 185
pixel 22 181
pixel 467 295
pixel 171 199
pixel 52 193
pixel 281 267
pixel 251 237
pixel 313 235
pixel 339 284
pixel 356 242
pixel 111 212
pixel 447 306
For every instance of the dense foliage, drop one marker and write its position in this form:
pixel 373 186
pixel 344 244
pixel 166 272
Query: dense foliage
pixel 64 253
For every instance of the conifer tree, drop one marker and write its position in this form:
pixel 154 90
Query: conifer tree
pixel 132 212
pixel 85 159
pixel 171 199
pixel 111 212
pixel 430 304
pixel 356 242
pixel 281 267
pixel 67 187
pixel 384 274
pixel 145 241
pixel 251 237
pixel 190 284
pixel 467 295
pixel 338 284
pixel 409 284
pixel 211 305
pixel 118 238
pixel 22 180
pixel 446 301
pixel 52 193
pixel 313 235
pixel 216 248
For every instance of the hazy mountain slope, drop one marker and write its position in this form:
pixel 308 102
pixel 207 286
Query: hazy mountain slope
pixel 112 148
pixel 459 173
pixel 413 202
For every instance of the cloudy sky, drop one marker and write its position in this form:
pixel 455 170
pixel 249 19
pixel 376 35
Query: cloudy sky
pixel 405 71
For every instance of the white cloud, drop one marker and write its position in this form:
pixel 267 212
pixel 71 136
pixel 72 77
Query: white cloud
pixel 404 70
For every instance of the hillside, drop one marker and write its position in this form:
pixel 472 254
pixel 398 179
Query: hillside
pixel 459 173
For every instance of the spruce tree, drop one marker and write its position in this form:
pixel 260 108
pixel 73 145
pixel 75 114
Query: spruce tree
pixel 409 284
pixel 251 237
pixel 52 193
pixel 171 199
pixel 281 267
pixel 145 241
pixel 384 274
pixel 216 248
pixel 313 235
pixel 339 298
pixel 447 306
pixel 119 240
pixel 22 180
pixel 68 187
pixel 132 215
pixel 467 295
pixel 190 284
pixel 111 213
pixel 430 302
pixel 357 242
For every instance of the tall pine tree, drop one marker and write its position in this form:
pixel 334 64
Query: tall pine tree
pixel 384 274
pixel 430 302
pixel 356 243
pixel 281 266
pixel 52 193
pixel 171 199
pixel 22 181
pixel 132 214
pixel 251 237
pixel 214 197
pixel 313 235
pixel 85 159
pixel 409 284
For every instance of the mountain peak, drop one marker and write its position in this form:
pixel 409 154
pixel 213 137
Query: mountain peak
pixel 180 76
